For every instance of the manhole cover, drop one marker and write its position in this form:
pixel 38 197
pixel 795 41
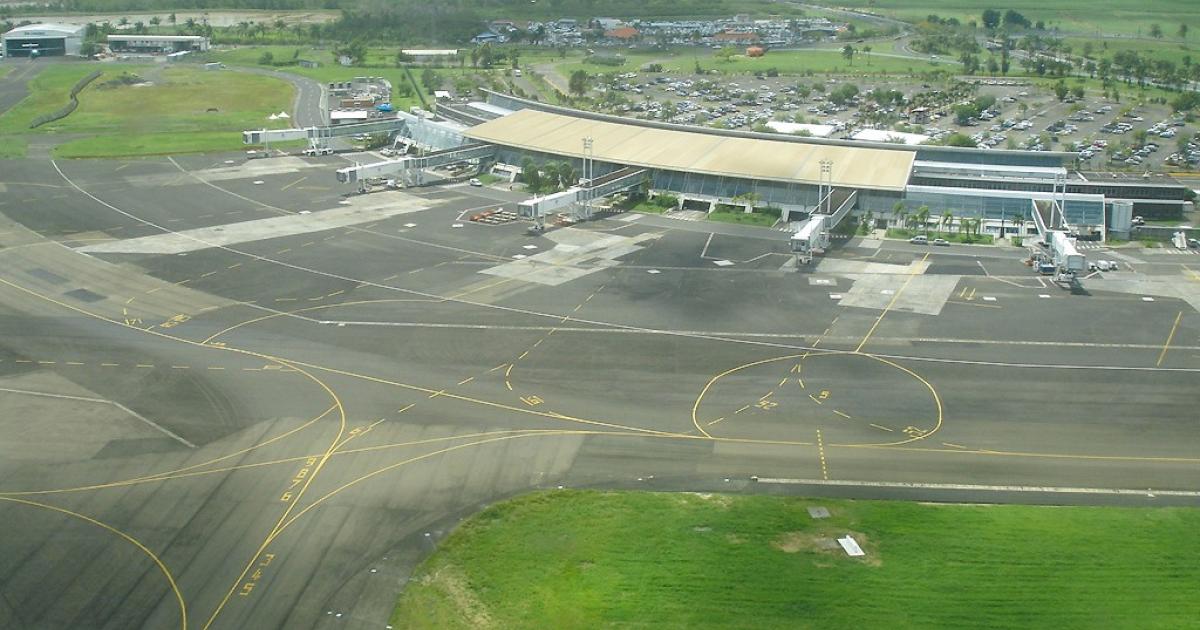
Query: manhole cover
pixel 818 512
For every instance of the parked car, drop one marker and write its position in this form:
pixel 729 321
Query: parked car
pixel 475 182
pixel 919 239
pixel 941 241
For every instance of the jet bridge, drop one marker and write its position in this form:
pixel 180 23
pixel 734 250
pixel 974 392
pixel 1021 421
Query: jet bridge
pixel 813 235
pixel 420 127
pixel 1064 260
pixel 321 135
pixel 408 169
pixel 623 179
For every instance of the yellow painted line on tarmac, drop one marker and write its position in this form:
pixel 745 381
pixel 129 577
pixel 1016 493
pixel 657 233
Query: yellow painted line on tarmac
pixel 293 183
pixel 1162 355
pixel 742 409
pixel 815 399
pixel 953 445
pixel 716 421
pixel 466 380
pixel 110 365
pixel 883 428
pixel 890 304
pixel 842 414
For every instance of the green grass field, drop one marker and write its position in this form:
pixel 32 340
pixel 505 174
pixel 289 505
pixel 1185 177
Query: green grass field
pixel 1094 17
pixel 185 109
pixel 585 559
pixel 742 218
pixel 1169 48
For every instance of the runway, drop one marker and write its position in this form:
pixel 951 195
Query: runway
pixel 234 402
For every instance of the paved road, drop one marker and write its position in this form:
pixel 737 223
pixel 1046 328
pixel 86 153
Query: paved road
pixel 13 86
pixel 273 432
pixel 309 109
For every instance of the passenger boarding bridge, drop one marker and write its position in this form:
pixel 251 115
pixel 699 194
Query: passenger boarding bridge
pixel 578 197
pixel 410 170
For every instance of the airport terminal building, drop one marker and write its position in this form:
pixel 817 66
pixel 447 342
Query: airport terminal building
pixel 710 166
pixel 43 40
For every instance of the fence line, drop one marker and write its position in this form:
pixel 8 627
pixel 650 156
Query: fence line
pixel 66 110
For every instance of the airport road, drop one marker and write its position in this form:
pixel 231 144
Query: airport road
pixel 226 404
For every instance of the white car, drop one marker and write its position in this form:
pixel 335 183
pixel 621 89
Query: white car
pixel 475 182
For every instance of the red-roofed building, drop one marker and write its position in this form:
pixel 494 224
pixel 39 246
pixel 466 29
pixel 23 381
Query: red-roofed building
pixel 625 33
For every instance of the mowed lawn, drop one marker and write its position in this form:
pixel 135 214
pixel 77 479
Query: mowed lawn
pixel 587 559
pixel 180 109
pixel 1094 16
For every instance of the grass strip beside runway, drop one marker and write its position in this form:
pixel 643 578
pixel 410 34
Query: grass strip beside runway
pixel 585 559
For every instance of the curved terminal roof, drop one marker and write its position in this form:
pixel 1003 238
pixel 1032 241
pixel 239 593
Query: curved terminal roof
pixel 44 30
pixel 697 152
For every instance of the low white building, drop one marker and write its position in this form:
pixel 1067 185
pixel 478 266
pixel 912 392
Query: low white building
pixel 884 135
pixel 158 43
pixel 816 131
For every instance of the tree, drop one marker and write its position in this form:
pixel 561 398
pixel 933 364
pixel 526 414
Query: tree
pixel 155 21
pixel 947 220
pixel 970 63
pixel 430 80
pixel 959 140
pixel 897 210
pixel 530 174
pixel 1182 32
pixel 991 19
pixel 1060 90
pixel 726 54
pixel 171 18
pixel 1156 31
pixel 578 83
pixel 923 218
pixel 266 59
pixel 1077 91
pixel 848 53
pixel 1013 19
pixel 403 58
pixel 566 174
pixel 867 51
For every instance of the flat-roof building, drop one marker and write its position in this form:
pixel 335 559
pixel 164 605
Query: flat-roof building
pixel 157 43
pixel 43 40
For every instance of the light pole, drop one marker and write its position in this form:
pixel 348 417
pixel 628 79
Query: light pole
pixel 826 174
pixel 588 167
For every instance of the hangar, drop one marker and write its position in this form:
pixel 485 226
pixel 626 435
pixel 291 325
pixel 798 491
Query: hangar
pixel 158 43
pixel 43 40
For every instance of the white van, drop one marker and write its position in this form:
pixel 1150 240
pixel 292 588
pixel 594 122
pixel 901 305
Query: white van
pixel 919 239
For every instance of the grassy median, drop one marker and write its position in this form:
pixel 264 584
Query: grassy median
pixel 585 559
pixel 143 110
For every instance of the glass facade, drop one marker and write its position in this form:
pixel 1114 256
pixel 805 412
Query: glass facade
pixel 1079 209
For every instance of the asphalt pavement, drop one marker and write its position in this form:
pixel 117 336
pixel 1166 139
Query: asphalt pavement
pixel 272 430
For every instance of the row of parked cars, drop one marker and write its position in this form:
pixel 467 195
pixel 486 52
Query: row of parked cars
pixel 921 239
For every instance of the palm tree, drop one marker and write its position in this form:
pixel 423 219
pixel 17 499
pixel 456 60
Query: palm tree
pixel 923 219
pixel 897 210
pixel 867 51
pixel 947 220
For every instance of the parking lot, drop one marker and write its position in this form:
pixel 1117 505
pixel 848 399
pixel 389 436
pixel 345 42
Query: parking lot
pixel 1021 114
